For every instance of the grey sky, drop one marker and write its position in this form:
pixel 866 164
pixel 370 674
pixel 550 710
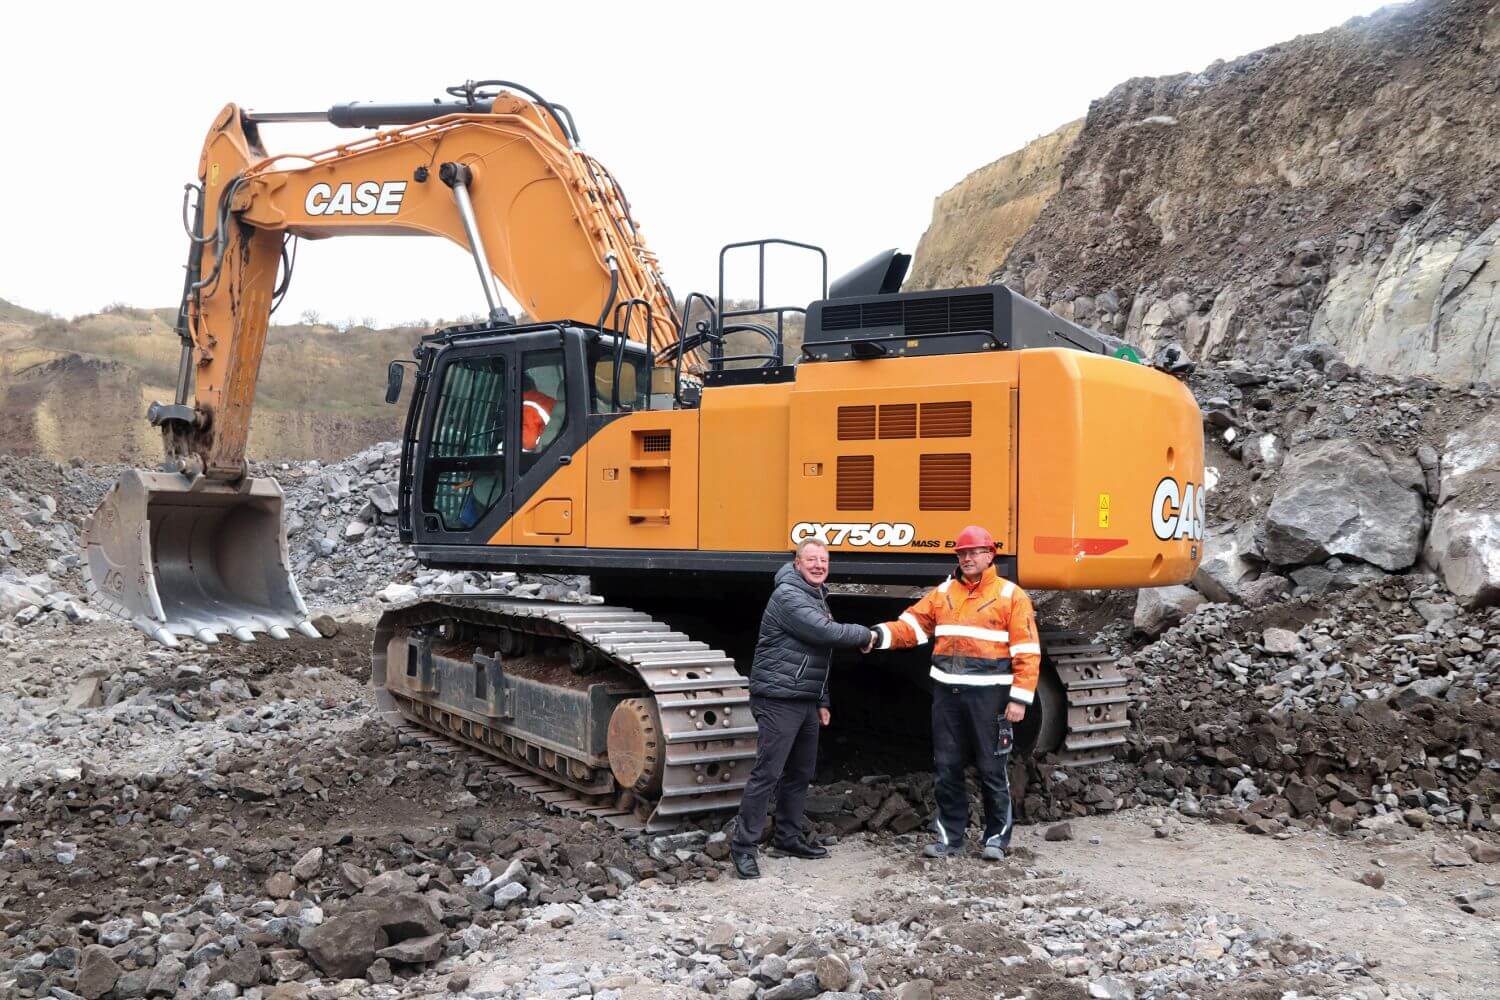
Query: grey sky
pixel 835 124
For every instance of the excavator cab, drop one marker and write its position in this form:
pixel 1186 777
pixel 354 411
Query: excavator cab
pixel 497 413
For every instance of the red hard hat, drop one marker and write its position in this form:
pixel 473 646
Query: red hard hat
pixel 974 537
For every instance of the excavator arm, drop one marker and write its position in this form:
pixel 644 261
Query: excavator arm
pixel 199 549
pixel 543 216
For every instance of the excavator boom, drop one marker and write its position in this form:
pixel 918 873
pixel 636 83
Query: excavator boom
pixel 199 549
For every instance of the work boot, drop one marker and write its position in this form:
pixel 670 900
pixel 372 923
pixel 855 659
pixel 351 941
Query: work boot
pixel 745 865
pixel 800 848
pixel 942 850
pixel 992 850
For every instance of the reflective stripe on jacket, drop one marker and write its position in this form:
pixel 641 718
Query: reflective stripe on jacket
pixel 536 414
pixel 982 634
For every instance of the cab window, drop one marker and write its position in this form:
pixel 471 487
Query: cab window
pixel 465 474
pixel 544 410
pixel 635 379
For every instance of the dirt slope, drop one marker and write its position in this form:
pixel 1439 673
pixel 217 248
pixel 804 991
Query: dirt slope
pixel 977 221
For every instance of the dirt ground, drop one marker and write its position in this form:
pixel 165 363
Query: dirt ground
pixel 1305 886
pixel 1410 934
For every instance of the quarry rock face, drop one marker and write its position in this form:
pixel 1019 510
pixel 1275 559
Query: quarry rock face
pixel 1337 188
pixel 1431 306
pixel 978 220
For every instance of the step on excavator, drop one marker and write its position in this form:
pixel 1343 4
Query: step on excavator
pixel 613 434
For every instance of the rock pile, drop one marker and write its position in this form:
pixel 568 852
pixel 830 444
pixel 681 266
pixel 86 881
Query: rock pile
pixel 1377 710
pixel 1324 477
pixel 341 528
pixel 42 506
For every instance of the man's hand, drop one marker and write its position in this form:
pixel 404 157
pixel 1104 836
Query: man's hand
pixel 871 644
pixel 823 716
pixel 1015 711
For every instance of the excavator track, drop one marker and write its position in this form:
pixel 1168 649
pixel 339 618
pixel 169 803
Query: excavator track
pixel 1096 697
pixel 679 740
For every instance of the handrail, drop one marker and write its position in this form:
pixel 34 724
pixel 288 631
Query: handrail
pixel 705 334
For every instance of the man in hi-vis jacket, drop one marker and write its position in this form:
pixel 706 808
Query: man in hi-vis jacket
pixel 985 660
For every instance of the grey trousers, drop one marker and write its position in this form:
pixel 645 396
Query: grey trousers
pixel 787 753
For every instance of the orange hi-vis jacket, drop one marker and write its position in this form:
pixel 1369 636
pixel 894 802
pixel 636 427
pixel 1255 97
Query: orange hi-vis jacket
pixel 536 414
pixel 984 634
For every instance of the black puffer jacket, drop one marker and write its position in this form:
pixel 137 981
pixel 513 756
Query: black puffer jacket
pixel 797 638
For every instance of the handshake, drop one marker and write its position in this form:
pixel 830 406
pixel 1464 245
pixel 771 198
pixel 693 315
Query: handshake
pixel 870 645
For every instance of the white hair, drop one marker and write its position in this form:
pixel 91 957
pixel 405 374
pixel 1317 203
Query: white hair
pixel 808 543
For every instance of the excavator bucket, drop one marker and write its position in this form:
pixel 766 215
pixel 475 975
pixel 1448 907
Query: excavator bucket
pixel 194 557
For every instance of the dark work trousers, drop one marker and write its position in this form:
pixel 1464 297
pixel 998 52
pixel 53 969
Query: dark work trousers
pixel 966 722
pixel 787 752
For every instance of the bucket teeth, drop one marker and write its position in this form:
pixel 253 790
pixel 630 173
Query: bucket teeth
pixel 194 558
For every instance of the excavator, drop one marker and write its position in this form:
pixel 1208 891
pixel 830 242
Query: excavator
pixel 610 434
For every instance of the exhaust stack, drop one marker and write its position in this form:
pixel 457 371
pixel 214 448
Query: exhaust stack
pixel 194 557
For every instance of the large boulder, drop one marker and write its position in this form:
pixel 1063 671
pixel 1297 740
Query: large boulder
pixel 1225 570
pixel 1344 498
pixel 97 972
pixel 344 946
pixel 1464 544
pixel 402 915
pixel 1159 608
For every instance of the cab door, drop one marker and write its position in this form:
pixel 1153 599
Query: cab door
pixel 463 487
pixel 552 434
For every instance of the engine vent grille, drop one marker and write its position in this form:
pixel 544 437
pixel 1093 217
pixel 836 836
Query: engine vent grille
pixel 971 312
pixel 926 316
pixel 898 420
pixel 656 441
pixel 841 317
pixel 944 482
pixel 919 317
pixel 947 420
pixel 856 482
pixel 856 423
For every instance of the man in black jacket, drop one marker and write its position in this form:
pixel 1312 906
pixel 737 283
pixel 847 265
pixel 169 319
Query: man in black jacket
pixel 789 699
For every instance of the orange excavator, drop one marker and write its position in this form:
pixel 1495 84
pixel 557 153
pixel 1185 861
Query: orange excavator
pixel 610 436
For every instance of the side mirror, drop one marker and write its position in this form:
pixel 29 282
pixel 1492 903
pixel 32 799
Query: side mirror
pixel 394 375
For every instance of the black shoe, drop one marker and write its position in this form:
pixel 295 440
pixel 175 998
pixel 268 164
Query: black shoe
pixel 801 849
pixel 745 865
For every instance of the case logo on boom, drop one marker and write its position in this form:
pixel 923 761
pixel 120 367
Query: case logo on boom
pixel 366 198
pixel 1177 511
pixel 844 533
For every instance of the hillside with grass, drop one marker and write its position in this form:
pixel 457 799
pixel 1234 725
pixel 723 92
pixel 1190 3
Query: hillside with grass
pixel 79 388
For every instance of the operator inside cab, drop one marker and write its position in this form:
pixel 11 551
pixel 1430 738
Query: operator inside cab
pixel 536 413
pixel 542 419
